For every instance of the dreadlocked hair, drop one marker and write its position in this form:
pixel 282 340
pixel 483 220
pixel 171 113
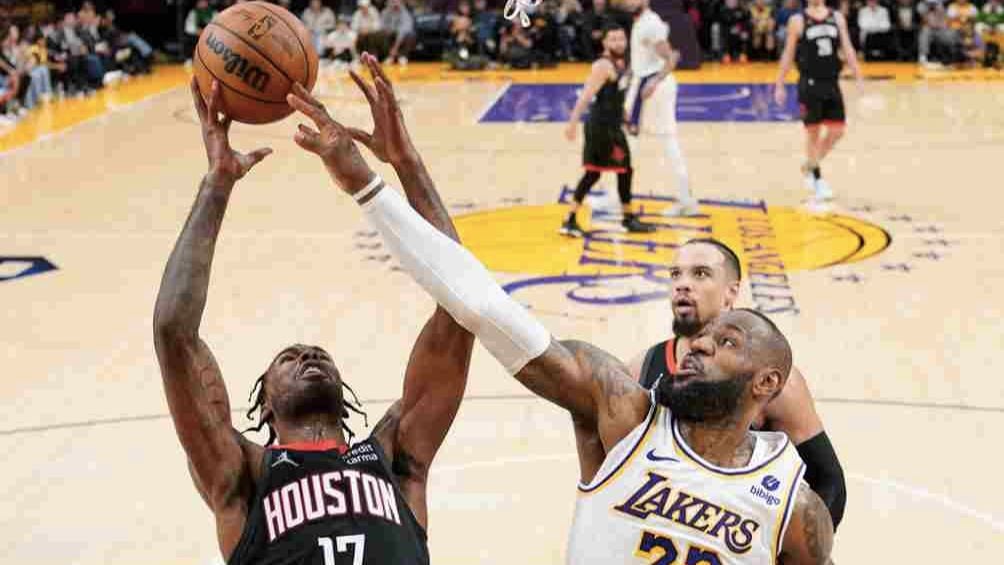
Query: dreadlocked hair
pixel 258 395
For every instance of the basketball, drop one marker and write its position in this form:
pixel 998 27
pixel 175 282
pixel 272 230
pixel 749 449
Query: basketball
pixel 256 51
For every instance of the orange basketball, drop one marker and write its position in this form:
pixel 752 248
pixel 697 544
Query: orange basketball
pixel 256 51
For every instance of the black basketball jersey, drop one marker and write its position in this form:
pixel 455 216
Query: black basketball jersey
pixel 818 48
pixel 608 104
pixel 660 361
pixel 330 507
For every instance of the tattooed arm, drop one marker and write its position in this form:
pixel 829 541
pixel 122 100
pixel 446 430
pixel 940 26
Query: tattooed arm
pixel 196 395
pixel 592 384
pixel 809 538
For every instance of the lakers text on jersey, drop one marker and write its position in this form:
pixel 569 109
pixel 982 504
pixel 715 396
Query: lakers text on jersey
pixel 656 501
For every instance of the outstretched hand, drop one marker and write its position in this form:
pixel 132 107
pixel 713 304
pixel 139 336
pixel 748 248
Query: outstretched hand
pixel 225 164
pixel 389 141
pixel 331 141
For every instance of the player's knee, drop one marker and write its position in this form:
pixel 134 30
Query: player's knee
pixel 835 132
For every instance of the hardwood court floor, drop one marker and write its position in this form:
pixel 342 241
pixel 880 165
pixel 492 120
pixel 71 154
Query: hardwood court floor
pixel 891 303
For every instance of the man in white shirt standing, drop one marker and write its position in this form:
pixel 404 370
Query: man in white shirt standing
pixel 652 64
pixel 320 20
pixel 876 29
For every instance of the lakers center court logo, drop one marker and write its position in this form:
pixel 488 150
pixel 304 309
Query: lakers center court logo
pixel 609 268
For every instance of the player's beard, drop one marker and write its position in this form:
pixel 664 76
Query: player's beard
pixel 687 327
pixel 316 398
pixel 700 400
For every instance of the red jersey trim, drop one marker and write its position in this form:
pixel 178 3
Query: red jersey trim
pixel 323 445
pixel 671 355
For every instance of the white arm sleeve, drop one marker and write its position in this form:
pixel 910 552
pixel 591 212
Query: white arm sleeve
pixel 458 282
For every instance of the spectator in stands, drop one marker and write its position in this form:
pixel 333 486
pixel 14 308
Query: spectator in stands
pixel 462 38
pixel 197 20
pixel 485 28
pixel 990 26
pixel 101 59
pixel 340 44
pixel 962 15
pixel 788 9
pixel 136 52
pixel 875 26
pixel 569 21
pixel 320 20
pixel 67 63
pixel 593 23
pixel 366 25
pixel 735 25
pixel 937 34
pixel 906 20
pixel 991 18
pixel 39 80
pixel 516 47
pixel 543 32
pixel 38 50
pixel 13 81
pixel 88 64
pixel 762 18
pixel 399 27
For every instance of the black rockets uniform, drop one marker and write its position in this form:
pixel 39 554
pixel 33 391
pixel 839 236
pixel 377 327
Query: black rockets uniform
pixel 325 504
pixel 819 65
pixel 606 147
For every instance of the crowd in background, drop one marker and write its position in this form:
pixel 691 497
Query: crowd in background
pixel 79 52
pixel 74 54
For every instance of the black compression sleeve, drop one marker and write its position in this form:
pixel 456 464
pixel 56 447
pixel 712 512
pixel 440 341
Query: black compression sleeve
pixel 824 474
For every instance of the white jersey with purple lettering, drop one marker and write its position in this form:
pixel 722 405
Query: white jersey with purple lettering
pixel 656 501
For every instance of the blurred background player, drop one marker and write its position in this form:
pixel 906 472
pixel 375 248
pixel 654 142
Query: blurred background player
pixel 652 64
pixel 815 35
pixel 606 147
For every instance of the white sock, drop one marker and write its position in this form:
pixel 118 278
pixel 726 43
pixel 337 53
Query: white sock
pixel 675 155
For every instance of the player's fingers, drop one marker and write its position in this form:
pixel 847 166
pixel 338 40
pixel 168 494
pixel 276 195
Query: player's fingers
pixel 300 105
pixel 367 89
pixel 257 155
pixel 307 140
pixel 385 90
pixel 377 70
pixel 200 102
pixel 213 107
pixel 361 136
pixel 302 92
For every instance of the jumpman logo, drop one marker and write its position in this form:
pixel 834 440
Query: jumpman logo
pixel 284 458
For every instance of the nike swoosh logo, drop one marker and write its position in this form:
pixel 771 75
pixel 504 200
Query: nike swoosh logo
pixel 653 457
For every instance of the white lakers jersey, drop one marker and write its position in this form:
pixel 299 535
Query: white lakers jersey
pixel 655 501
pixel 648 30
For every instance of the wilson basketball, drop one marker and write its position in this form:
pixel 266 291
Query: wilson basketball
pixel 256 51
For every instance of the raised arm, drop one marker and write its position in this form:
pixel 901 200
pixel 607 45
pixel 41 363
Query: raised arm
pixel 196 394
pixel 413 430
pixel 573 376
pixel 809 537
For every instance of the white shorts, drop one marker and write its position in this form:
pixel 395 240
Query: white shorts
pixel 657 114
